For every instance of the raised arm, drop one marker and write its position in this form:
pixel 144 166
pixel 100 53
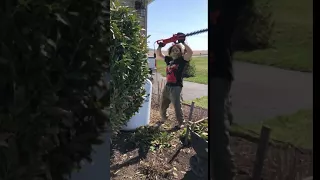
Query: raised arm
pixel 159 54
pixel 187 56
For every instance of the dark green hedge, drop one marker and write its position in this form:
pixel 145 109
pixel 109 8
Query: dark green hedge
pixel 52 55
pixel 129 68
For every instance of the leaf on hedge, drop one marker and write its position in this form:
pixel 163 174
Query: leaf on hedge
pixel 62 19
pixel 3 61
pixel 52 43
pixel 68 122
pixel 80 147
pixel 44 53
pixel 3 144
pixel 85 137
pixel 48 174
pixel 57 112
pixel 113 36
pixel 22 170
pixel 53 130
pixel 74 13
pixel 56 140
pixel 5 52
pixel 74 76
pixel 5 136
pixel 46 143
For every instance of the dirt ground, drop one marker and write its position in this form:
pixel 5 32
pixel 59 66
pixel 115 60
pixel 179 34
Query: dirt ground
pixel 132 162
pixel 281 163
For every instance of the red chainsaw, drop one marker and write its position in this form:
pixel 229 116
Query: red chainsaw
pixel 176 37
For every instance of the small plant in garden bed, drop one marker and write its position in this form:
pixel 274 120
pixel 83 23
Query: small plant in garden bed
pixel 200 128
pixel 148 138
pixel 162 140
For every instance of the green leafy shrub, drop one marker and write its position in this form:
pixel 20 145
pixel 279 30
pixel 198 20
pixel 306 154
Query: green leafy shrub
pixel 53 55
pixel 200 128
pixel 149 138
pixel 254 26
pixel 190 69
pixel 129 65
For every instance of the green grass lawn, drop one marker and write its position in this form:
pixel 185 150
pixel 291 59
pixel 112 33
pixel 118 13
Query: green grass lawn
pixel 293 36
pixel 200 102
pixel 296 128
pixel 201 70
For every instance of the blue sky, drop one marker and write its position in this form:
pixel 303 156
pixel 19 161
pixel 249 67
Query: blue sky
pixel 167 17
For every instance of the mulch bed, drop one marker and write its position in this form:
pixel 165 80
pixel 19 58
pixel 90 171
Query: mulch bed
pixel 131 163
pixel 154 165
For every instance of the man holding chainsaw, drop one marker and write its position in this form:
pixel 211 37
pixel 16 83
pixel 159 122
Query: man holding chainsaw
pixel 176 60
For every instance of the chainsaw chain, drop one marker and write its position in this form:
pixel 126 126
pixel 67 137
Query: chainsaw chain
pixel 197 32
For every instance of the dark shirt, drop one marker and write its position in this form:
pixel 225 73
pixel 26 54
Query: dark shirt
pixel 220 34
pixel 174 71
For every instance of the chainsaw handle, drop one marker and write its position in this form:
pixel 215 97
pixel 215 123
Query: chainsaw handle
pixel 174 38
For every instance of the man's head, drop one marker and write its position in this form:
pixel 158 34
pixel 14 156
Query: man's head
pixel 175 51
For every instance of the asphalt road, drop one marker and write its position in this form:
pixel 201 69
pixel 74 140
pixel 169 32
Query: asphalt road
pixel 261 92
pixel 190 90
